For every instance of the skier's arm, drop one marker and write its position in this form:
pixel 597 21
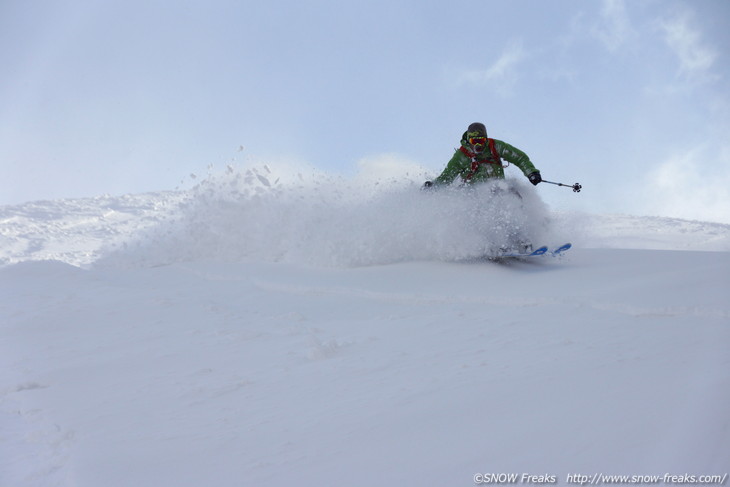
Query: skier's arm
pixel 515 156
pixel 453 169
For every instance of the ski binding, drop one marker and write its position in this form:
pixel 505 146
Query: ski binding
pixel 541 251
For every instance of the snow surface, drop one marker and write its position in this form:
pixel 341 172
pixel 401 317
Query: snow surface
pixel 268 329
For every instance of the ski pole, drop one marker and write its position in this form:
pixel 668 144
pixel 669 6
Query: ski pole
pixel 576 187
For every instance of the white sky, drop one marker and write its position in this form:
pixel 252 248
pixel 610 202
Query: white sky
pixel 630 98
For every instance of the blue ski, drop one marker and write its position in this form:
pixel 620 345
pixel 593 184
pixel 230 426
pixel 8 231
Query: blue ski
pixel 561 249
pixel 540 251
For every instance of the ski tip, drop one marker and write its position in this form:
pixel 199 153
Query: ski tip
pixel 562 249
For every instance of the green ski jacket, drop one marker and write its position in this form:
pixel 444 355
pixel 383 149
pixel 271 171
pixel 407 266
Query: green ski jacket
pixel 474 168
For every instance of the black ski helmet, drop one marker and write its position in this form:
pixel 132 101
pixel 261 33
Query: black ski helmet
pixel 477 128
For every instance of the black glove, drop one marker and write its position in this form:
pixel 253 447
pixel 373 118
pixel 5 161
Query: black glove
pixel 535 178
pixel 428 184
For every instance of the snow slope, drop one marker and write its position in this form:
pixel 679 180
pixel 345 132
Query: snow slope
pixel 264 331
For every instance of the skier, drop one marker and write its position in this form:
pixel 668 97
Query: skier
pixel 480 158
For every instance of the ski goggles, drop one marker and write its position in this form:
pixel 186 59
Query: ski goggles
pixel 478 140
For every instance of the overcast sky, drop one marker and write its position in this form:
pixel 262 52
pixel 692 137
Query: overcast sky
pixel 629 98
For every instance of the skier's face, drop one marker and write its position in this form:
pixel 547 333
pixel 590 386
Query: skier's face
pixel 478 144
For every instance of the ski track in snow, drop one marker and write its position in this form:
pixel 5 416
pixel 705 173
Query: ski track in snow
pixel 264 329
